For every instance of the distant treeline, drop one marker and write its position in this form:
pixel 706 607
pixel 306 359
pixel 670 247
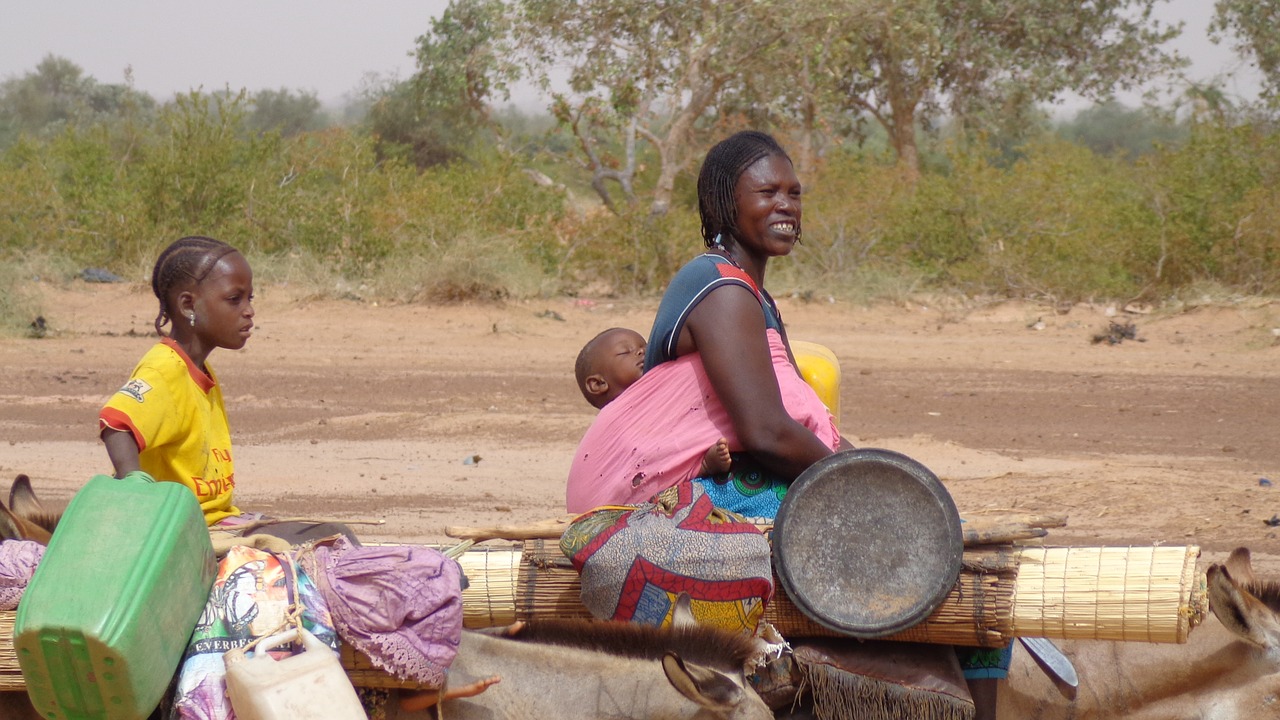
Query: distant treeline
pixel 1117 203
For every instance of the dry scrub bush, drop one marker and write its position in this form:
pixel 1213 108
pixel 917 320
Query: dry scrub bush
pixel 1060 222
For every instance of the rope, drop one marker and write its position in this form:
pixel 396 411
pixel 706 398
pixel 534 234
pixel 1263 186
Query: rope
pixel 296 607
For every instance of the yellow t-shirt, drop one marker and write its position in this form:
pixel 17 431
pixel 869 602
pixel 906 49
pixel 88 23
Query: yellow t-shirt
pixel 174 412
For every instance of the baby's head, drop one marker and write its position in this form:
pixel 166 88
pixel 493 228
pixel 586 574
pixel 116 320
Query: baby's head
pixel 608 364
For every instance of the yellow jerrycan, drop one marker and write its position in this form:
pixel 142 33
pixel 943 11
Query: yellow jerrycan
pixel 821 370
pixel 310 684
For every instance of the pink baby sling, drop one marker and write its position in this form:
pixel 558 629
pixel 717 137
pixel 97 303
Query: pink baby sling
pixel 657 431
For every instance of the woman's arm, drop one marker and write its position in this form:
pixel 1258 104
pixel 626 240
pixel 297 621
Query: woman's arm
pixel 123 451
pixel 727 329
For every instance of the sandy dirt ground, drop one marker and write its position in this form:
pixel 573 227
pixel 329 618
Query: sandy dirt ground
pixel 420 417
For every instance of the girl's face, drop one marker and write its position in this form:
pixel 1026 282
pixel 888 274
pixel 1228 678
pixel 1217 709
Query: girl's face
pixel 223 304
pixel 768 201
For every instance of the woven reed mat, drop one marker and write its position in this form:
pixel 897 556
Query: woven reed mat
pixel 1148 594
pixel 538 581
pixel 1105 593
pixel 10 673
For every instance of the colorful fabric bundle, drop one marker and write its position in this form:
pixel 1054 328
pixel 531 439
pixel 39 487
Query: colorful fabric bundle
pixel 635 562
pixel 252 597
pixel 401 605
pixel 18 560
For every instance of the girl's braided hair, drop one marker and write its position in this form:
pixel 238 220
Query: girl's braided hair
pixel 186 261
pixel 718 178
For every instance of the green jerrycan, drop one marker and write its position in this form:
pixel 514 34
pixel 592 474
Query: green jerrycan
pixel 107 615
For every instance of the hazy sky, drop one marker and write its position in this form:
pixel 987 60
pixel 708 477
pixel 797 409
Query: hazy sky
pixel 325 46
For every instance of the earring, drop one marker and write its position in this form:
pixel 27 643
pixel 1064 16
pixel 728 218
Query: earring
pixel 192 318
pixel 718 242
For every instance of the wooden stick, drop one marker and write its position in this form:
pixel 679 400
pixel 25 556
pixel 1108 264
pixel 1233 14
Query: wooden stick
pixel 988 530
pixel 997 529
pixel 1035 521
pixel 541 530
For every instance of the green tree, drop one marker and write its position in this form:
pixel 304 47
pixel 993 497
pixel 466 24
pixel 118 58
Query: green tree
pixel 1253 24
pixel 903 64
pixel 1112 128
pixel 646 71
pixel 464 66
pixel 464 63
pixel 58 93
pixel 284 111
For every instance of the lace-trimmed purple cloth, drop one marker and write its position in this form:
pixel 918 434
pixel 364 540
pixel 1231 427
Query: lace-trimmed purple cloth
pixel 399 604
pixel 18 560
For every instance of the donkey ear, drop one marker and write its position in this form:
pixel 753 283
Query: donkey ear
pixel 707 687
pixel 13 527
pixel 9 525
pixel 1240 565
pixel 1240 611
pixel 22 499
pixel 682 613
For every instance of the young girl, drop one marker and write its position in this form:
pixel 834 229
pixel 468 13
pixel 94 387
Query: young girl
pixel 168 420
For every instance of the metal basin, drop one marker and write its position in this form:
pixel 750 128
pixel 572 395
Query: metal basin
pixel 867 542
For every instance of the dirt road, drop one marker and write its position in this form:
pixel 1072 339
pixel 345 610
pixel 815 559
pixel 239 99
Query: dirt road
pixel 350 410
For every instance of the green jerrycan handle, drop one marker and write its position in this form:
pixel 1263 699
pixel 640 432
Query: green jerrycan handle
pixel 138 476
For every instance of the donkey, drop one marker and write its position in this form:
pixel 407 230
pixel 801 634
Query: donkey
pixel 1228 670
pixel 580 669
pixel 25 518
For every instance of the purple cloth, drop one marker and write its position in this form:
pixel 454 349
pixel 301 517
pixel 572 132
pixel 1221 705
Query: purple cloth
pixel 18 560
pixel 399 604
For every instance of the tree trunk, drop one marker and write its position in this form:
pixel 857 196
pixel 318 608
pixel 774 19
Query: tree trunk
pixel 806 155
pixel 902 109
pixel 665 188
pixel 702 90
pixel 904 143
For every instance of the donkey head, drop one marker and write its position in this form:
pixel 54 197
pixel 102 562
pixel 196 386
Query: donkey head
pixel 24 518
pixel 1246 606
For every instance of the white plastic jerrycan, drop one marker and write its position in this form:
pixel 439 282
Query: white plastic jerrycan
pixel 310 685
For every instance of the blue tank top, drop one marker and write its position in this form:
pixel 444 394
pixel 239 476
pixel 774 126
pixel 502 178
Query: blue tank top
pixel 691 284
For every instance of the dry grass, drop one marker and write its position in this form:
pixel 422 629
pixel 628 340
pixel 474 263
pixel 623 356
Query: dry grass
pixel 20 303
pixel 483 269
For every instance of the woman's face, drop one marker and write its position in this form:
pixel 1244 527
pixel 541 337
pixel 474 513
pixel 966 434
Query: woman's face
pixel 768 200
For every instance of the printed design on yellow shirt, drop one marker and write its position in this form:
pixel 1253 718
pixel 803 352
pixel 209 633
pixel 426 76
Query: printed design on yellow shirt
pixel 136 388
pixel 214 486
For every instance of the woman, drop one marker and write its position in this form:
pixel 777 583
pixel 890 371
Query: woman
pixel 717 363
pixel 718 333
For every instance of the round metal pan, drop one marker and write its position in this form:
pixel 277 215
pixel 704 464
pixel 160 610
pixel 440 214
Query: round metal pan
pixel 867 542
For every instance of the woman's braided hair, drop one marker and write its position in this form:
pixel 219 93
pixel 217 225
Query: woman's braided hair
pixel 718 179
pixel 186 261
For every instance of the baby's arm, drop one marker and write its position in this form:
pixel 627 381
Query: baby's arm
pixel 123 451
pixel 716 460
